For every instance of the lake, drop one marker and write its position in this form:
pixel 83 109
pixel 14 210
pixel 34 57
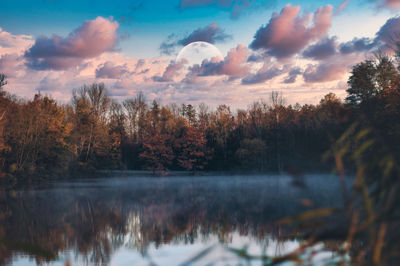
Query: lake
pixel 133 220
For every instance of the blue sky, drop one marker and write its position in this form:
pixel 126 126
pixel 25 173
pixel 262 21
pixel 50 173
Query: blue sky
pixel 148 23
pixel 142 26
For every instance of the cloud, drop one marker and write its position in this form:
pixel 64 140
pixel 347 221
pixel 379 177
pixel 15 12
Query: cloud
pixel 234 65
pixel 167 47
pixel 342 7
pixel 91 39
pixel 213 81
pixel 385 40
pixel 292 75
pixel 288 33
pixel 142 67
pixel 49 84
pixel 10 43
pixel 267 72
pixel 115 65
pixel 356 45
pixel 171 71
pixel 324 72
pixel 390 4
pixel 322 49
pixel 140 63
pixel 256 57
pixel 211 34
pixel 10 64
pixel 110 71
pixel 329 70
pixel 388 35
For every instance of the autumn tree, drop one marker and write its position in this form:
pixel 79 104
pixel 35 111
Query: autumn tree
pixel 136 110
pixel 191 115
pixel 117 120
pixel 96 132
pixel 158 154
pixel 277 112
pixel 4 112
pixel 154 114
pixel 92 139
pixel 203 117
pixel 116 126
pixel 191 150
pixel 218 133
pixel 37 133
pixel 330 110
pixel 167 120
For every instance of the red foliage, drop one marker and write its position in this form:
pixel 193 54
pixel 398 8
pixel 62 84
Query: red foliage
pixel 192 151
pixel 158 152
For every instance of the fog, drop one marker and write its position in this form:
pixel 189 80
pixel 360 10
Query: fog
pixel 141 219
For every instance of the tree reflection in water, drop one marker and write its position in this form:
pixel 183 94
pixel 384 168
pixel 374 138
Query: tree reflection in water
pixel 94 218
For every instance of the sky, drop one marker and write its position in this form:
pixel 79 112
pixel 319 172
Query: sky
pixel 303 49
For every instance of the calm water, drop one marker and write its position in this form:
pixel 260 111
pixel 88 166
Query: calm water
pixel 158 221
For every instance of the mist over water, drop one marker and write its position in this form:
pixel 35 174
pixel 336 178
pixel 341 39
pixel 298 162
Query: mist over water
pixel 164 221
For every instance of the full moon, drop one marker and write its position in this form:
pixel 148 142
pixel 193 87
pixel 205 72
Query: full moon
pixel 196 52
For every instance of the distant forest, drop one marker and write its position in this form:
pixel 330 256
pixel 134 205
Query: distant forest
pixel 41 138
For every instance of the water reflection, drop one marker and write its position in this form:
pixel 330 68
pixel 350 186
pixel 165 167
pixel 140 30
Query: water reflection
pixel 124 220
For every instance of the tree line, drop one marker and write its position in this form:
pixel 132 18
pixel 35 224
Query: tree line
pixel 42 138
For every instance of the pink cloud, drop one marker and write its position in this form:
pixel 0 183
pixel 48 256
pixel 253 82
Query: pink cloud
pixel 171 71
pixel 329 70
pixel 342 6
pixel 391 4
pixel 91 39
pixel 324 72
pixel 10 64
pixel 213 81
pixel 267 72
pixel 10 43
pixel 234 64
pixel 110 71
pixel 288 33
